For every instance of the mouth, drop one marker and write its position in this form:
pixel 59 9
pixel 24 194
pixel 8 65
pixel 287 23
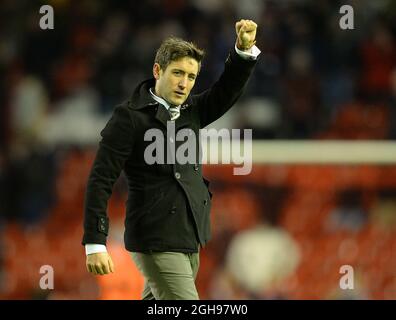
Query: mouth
pixel 179 93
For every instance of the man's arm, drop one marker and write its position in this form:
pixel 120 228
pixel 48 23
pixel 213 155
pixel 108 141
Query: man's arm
pixel 114 148
pixel 217 100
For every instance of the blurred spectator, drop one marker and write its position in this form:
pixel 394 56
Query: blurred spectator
pixel 29 181
pixel 301 105
pixel 2 218
pixel 249 8
pixel 261 115
pixel 349 214
pixel 378 60
pixel 75 120
pixel 29 103
pixel 392 105
pixel 383 212
pixel 261 258
pixel 2 184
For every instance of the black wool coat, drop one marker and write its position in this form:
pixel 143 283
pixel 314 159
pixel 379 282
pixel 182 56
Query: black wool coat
pixel 168 206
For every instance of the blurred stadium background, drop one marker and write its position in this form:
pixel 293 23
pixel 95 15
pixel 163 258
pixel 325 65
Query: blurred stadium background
pixel 295 221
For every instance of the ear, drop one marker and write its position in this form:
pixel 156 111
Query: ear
pixel 156 71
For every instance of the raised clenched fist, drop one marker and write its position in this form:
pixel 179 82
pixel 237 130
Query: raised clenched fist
pixel 246 34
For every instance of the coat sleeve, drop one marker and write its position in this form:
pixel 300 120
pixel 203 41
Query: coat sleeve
pixel 114 149
pixel 217 100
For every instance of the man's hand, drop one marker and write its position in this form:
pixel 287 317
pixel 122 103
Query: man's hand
pixel 246 34
pixel 99 263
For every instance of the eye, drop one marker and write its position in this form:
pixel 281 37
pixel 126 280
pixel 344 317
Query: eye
pixel 176 72
pixel 192 78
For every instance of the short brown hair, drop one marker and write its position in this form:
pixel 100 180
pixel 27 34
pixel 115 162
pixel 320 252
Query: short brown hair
pixel 174 48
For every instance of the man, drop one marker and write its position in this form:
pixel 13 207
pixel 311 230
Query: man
pixel 167 212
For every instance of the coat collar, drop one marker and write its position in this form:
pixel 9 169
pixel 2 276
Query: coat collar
pixel 141 98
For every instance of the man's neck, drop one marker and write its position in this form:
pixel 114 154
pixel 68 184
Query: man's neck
pixel 160 100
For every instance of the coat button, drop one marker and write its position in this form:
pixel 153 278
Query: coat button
pixel 102 227
pixel 196 167
pixel 177 175
pixel 102 220
pixel 173 210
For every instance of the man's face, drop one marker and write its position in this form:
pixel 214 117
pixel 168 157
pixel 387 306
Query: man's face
pixel 175 82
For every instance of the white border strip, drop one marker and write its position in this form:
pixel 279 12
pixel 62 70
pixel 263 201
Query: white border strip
pixel 328 151
pixel 311 152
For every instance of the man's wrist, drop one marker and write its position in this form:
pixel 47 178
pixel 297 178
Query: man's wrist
pixel 251 54
pixel 247 47
pixel 91 248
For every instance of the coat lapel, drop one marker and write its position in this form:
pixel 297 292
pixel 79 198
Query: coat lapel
pixel 184 120
pixel 162 115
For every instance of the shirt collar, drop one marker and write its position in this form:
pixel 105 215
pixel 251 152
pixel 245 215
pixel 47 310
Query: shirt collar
pixel 159 99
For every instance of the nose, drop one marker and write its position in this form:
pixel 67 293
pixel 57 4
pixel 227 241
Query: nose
pixel 183 83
